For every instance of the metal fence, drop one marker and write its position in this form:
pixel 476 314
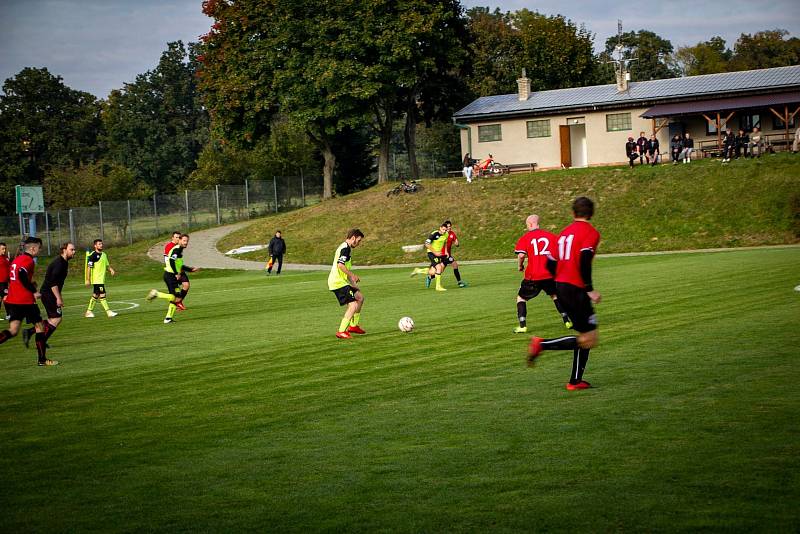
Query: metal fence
pixel 123 222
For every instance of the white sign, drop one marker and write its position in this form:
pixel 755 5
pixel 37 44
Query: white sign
pixel 30 199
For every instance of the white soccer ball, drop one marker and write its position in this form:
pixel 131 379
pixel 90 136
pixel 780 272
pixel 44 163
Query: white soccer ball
pixel 406 324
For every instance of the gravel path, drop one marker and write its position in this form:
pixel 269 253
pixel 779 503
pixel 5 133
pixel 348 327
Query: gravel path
pixel 202 252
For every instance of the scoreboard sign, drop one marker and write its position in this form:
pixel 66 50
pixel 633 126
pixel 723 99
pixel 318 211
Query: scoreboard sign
pixel 30 199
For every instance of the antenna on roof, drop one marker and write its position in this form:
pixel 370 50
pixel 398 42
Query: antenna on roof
pixel 620 62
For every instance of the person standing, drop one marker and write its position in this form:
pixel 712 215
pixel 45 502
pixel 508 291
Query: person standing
pixel 577 245
pixel 276 249
pixel 535 246
pixel 467 167
pixel 728 145
pixel 688 148
pixel 641 147
pixel 343 283
pixel 95 274
pixel 53 283
pixel 631 150
pixel 675 148
pixel 21 299
pixel 452 239
pixel 5 270
pixel 174 276
pixel 653 149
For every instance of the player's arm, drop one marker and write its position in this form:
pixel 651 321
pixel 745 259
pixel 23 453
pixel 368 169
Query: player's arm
pixel 171 260
pixel 57 293
pixel 111 270
pixel 521 260
pixel 353 277
pixel 429 242
pixel 87 271
pixel 551 265
pixel 26 280
pixel 587 255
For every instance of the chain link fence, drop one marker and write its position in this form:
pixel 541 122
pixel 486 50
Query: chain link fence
pixel 126 221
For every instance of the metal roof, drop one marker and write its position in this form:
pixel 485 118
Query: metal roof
pixel 638 93
pixel 721 104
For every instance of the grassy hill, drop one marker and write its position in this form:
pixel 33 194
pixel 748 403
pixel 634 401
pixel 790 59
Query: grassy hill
pixel 701 205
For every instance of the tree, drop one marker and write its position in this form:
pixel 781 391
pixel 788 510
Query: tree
pixel 43 123
pixel 67 186
pixel 707 57
pixel 494 51
pixel 156 126
pixel 653 54
pixel 765 49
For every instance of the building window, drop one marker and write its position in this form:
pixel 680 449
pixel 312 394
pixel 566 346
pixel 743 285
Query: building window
pixel 539 128
pixel 777 124
pixel 748 122
pixel 616 122
pixel 490 132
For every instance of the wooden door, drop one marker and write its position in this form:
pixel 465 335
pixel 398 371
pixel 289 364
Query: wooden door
pixel 566 150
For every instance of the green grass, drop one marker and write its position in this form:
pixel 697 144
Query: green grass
pixel 701 205
pixel 248 414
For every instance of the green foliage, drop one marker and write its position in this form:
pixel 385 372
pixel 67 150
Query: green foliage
pixel 653 55
pixel 247 415
pixel 762 50
pixel 67 187
pixel 43 123
pixel 708 57
pixel 156 126
pixel 555 51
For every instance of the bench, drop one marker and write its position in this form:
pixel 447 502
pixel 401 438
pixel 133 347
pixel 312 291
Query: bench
pixel 530 167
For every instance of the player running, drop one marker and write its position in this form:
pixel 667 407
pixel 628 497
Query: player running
pixel 21 299
pixel 174 240
pixel 95 274
pixel 435 246
pixel 5 271
pixel 53 283
pixel 452 239
pixel 344 284
pixel 535 245
pixel 577 245
pixel 174 276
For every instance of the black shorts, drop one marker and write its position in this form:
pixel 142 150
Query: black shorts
pixel 447 260
pixel 184 277
pixel 528 289
pixel 98 289
pixel 345 295
pixel 435 260
pixel 3 289
pixel 578 306
pixel 28 312
pixel 173 284
pixel 50 306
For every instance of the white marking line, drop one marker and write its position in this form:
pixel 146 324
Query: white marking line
pixel 131 305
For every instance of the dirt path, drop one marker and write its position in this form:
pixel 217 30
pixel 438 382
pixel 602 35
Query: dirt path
pixel 202 252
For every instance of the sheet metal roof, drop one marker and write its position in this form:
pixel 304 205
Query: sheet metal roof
pixel 721 104
pixel 638 93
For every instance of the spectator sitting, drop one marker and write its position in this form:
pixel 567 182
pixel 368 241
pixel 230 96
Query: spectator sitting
pixel 467 170
pixel 688 148
pixel 641 146
pixel 796 143
pixel 631 150
pixel 755 144
pixel 652 150
pixel 742 140
pixel 675 148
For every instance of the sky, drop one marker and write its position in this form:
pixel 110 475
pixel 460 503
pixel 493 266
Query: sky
pixel 99 45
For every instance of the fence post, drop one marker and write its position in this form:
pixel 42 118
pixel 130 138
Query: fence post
pixel 100 205
pixel 302 188
pixel 47 229
pixel 21 229
pixel 130 224
pixel 275 189
pixel 155 211
pixel 216 191
pixel 188 218
pixel 72 228
pixel 247 198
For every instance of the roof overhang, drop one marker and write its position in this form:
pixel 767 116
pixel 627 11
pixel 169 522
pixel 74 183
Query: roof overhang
pixel 695 107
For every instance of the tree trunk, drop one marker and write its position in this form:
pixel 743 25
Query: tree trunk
pixel 327 169
pixel 410 135
pixel 383 127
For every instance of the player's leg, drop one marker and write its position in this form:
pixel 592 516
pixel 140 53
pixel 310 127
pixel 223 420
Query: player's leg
pixel 92 301
pixel 103 302
pixel 438 276
pixel 50 324
pixel 354 328
pixel 457 273
pixel 346 297
pixel 13 327
pixel 549 287
pixel 527 290
pixel 280 263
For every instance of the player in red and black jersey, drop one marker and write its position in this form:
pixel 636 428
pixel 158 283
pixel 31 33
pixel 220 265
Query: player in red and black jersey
pixel 21 299
pixel 5 271
pixel 577 245
pixel 452 240
pixel 535 245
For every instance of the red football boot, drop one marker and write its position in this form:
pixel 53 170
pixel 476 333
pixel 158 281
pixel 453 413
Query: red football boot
pixel 583 384
pixel 180 306
pixel 355 330
pixel 534 349
pixel 343 335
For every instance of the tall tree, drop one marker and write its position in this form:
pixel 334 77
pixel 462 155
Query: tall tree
pixel 653 54
pixel 707 57
pixel 494 50
pixel 156 126
pixel 764 50
pixel 43 123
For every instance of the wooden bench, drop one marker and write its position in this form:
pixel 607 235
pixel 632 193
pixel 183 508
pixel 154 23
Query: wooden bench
pixel 519 167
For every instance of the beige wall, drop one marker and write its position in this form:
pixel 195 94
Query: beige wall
pixel 602 147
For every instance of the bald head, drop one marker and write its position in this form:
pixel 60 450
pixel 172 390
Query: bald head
pixel 532 222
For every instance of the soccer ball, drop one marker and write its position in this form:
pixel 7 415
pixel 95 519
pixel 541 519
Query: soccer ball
pixel 406 324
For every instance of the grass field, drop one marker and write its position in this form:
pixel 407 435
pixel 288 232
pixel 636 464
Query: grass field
pixel 248 414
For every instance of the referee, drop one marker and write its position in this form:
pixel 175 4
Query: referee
pixel 52 285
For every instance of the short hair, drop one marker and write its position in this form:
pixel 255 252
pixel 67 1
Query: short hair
pixel 3 244
pixel 354 232
pixel 184 235
pixel 447 223
pixel 278 232
pixel 64 246
pixel 32 241
pixel 96 241
pixel 583 207
pixel 176 232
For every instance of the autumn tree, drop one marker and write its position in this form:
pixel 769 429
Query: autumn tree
pixel 765 49
pixel 653 54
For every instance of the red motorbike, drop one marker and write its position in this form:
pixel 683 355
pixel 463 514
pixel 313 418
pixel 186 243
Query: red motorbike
pixel 488 167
